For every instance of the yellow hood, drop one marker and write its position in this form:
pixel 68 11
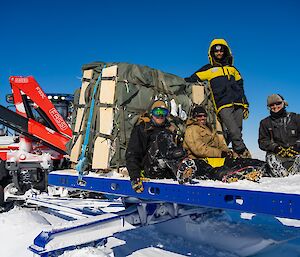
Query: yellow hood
pixel 219 41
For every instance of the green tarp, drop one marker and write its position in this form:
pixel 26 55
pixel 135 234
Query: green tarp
pixel 137 87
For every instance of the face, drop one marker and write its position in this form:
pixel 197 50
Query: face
pixel 276 107
pixel 159 120
pixel 219 54
pixel 201 118
pixel 159 115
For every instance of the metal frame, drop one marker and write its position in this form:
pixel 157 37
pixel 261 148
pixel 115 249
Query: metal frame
pixel 258 202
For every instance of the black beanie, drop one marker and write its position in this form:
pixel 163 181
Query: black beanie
pixel 197 110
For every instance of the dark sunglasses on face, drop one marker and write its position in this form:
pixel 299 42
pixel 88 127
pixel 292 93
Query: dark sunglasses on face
pixel 277 104
pixel 160 112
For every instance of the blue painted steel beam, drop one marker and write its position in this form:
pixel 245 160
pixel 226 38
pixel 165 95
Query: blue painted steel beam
pixel 276 204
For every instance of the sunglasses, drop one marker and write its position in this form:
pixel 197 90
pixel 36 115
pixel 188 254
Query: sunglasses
pixel 277 104
pixel 160 112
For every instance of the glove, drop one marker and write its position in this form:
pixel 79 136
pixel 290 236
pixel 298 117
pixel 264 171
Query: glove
pixel 292 152
pixel 280 151
pixel 137 185
pixel 245 113
pixel 242 153
pixel 227 154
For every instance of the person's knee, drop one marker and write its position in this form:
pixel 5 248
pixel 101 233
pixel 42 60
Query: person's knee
pixel 235 133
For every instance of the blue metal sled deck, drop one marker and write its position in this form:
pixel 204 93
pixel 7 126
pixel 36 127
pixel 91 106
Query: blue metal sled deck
pixel 251 201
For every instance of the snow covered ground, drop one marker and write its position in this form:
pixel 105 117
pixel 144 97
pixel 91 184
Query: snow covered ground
pixel 20 226
pixel 221 234
pixel 290 184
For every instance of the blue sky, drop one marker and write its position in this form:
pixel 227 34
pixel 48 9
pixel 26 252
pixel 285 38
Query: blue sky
pixel 51 40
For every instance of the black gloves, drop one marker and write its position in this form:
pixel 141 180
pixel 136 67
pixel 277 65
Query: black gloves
pixel 289 152
pixel 280 151
pixel 227 154
pixel 245 113
pixel 292 152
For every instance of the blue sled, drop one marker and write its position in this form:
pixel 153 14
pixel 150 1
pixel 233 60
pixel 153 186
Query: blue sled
pixel 257 202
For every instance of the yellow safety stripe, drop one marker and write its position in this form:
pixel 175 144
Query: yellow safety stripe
pixel 231 104
pixel 215 72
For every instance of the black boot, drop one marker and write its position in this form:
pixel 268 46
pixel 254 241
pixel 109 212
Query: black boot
pixel 232 175
pixel 186 171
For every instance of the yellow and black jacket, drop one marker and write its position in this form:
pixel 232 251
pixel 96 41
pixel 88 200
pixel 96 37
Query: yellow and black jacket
pixel 224 79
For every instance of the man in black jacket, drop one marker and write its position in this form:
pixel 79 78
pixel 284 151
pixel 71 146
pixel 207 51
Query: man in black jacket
pixel 279 136
pixel 228 94
pixel 152 151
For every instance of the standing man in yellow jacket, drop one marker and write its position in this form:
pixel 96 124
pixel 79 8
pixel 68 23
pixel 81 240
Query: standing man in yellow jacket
pixel 226 85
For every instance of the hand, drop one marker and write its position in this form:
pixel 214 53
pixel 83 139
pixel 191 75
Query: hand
pixel 291 152
pixel 227 154
pixel 245 113
pixel 280 151
pixel 137 185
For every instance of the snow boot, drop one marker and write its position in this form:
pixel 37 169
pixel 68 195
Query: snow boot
pixel 295 168
pixel 249 173
pixel 186 171
pixel 276 167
